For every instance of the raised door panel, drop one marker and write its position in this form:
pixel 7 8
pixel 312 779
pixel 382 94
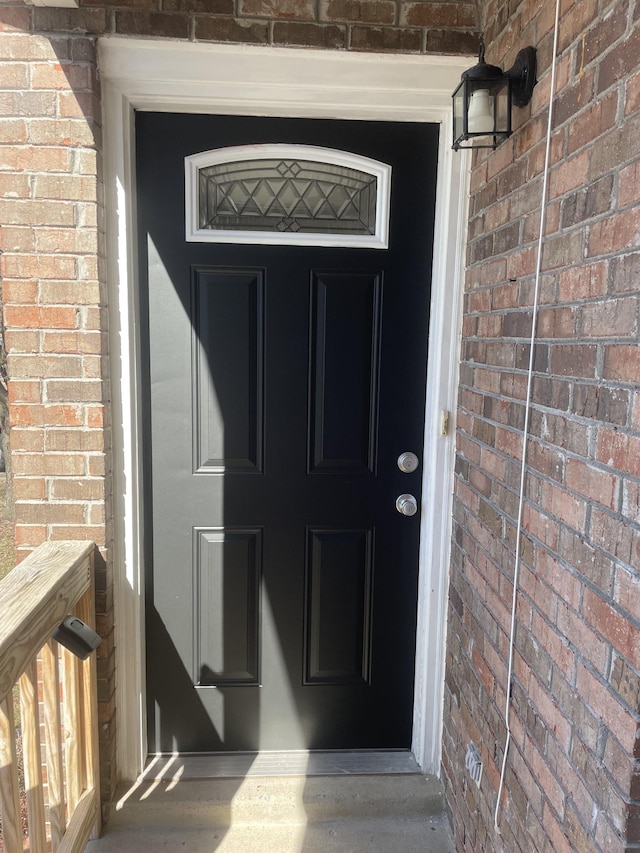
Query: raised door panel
pixel 344 367
pixel 228 577
pixel 338 606
pixel 228 336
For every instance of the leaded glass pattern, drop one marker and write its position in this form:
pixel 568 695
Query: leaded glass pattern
pixel 287 195
pixel 284 194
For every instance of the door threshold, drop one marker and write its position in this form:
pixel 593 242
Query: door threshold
pixel 233 765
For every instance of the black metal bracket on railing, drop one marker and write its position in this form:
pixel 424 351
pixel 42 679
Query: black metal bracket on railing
pixel 77 636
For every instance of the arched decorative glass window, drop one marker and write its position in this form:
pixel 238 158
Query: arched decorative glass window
pixel 287 194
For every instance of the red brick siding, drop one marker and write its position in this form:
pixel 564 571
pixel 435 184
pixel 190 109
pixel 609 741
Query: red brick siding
pixel 571 782
pixel 429 26
pixel 54 298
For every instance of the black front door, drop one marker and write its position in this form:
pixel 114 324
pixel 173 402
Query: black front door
pixel 283 384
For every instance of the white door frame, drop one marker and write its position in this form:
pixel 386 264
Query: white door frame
pixel 238 79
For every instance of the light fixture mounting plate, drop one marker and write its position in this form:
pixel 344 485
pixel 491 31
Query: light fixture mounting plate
pixel 523 76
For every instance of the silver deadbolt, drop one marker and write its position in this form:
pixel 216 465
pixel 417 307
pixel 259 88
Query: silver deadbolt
pixel 408 462
pixel 407 505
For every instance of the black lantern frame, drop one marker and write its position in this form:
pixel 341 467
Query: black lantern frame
pixel 488 93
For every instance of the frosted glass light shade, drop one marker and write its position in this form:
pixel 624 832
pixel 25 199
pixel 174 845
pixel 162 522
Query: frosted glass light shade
pixel 481 112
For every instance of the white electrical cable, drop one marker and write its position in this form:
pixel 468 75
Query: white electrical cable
pixel 527 410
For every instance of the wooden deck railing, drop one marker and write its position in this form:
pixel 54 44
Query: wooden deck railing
pixel 57 697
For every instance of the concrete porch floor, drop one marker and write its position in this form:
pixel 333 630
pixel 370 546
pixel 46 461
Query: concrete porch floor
pixel 391 812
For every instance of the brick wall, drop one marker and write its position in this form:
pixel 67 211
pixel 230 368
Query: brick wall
pixel 51 233
pixel 371 25
pixel 54 305
pixel 572 779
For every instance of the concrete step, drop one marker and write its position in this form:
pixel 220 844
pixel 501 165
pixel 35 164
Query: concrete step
pixel 349 812
pixel 382 835
pixel 289 799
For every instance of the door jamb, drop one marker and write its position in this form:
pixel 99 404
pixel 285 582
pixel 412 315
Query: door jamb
pixel 240 79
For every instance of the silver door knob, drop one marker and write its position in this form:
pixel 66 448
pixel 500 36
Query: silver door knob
pixel 408 462
pixel 407 505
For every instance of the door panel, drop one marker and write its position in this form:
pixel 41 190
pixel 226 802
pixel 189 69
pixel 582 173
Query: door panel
pixel 283 383
pixel 228 317
pixel 338 606
pixel 226 606
pixel 343 393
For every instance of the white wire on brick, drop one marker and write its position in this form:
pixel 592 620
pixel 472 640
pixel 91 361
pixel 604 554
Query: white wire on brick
pixel 527 412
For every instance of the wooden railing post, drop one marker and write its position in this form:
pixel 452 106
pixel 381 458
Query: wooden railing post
pixel 86 610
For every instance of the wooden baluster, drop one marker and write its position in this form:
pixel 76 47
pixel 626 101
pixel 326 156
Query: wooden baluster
pixel 31 758
pixel 53 741
pixel 9 787
pixel 71 712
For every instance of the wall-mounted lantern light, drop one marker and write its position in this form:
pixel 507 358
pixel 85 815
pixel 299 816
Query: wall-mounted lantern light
pixel 483 100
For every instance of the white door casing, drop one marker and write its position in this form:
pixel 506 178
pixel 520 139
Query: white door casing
pixel 246 80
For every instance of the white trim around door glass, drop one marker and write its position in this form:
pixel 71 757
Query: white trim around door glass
pixel 380 172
